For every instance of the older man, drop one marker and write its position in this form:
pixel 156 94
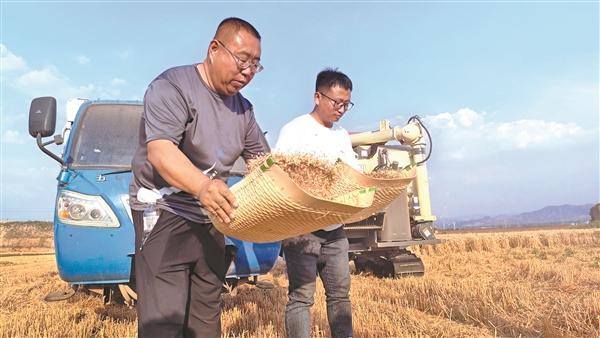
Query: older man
pixel 194 126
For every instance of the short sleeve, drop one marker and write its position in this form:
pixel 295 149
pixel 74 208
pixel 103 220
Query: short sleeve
pixel 349 156
pixel 253 145
pixel 165 112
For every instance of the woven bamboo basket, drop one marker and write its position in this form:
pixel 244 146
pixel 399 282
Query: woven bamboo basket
pixel 387 189
pixel 272 207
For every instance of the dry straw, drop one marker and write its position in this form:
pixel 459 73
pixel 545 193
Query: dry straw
pixel 484 286
pixel 313 174
pixel 288 195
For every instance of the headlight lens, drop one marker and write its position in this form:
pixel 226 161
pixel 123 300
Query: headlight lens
pixel 85 210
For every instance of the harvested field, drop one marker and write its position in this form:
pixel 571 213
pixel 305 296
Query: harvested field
pixel 543 283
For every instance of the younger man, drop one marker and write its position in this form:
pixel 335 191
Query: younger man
pixel 323 252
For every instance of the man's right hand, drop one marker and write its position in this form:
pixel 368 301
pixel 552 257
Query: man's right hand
pixel 218 200
pixel 177 170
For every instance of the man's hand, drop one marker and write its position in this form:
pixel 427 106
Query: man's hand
pixel 177 170
pixel 218 200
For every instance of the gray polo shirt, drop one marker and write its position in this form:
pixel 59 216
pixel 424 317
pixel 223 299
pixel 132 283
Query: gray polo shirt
pixel 213 131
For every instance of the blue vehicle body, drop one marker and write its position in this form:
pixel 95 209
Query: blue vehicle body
pixel 93 254
pixel 104 255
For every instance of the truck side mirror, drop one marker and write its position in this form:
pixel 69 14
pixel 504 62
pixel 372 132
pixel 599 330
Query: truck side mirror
pixel 42 116
pixel 42 122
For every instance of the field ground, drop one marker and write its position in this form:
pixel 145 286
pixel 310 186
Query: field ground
pixel 543 283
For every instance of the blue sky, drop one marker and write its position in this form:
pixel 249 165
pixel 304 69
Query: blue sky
pixel 509 90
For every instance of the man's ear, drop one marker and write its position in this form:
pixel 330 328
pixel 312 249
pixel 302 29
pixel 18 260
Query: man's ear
pixel 317 98
pixel 212 48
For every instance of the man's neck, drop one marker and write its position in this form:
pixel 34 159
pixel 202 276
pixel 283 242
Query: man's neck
pixel 318 119
pixel 205 75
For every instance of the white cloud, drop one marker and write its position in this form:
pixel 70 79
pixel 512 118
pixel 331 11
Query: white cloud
pixel 468 118
pixel 464 117
pixel 82 60
pixel 467 134
pixel 50 81
pixel 527 133
pixel 13 137
pixel 443 120
pixel 38 78
pixel 10 61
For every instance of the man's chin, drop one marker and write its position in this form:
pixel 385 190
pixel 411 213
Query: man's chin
pixel 237 85
pixel 331 122
pixel 231 90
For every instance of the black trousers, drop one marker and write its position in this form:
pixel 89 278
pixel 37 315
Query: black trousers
pixel 179 271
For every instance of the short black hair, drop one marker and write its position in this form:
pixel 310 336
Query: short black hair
pixel 330 77
pixel 235 24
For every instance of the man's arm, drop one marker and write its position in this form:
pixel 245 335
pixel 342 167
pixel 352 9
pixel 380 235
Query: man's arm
pixel 349 156
pixel 255 143
pixel 178 171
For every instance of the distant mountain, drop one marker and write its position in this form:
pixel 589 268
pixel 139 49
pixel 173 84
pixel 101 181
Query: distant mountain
pixel 547 215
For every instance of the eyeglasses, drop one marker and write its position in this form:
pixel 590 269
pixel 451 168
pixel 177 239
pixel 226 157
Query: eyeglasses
pixel 339 104
pixel 255 67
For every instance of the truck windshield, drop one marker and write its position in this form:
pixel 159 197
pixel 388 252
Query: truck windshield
pixel 106 136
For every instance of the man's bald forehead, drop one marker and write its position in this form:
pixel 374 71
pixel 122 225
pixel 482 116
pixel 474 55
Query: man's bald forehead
pixel 229 27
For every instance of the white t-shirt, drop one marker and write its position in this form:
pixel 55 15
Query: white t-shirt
pixel 307 136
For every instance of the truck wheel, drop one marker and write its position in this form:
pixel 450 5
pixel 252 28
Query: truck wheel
pixel 59 295
pixel 261 284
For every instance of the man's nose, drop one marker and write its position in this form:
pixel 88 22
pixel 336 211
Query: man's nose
pixel 248 72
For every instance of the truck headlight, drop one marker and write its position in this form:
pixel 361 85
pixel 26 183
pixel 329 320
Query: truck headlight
pixel 85 210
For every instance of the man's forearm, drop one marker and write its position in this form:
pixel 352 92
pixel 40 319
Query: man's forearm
pixel 175 167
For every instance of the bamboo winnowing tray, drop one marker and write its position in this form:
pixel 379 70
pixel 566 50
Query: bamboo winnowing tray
pixel 272 207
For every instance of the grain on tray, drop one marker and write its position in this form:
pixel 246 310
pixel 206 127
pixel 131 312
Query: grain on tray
pixel 311 173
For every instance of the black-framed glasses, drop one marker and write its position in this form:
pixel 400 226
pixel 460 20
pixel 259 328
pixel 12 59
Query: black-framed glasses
pixel 339 104
pixel 256 67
